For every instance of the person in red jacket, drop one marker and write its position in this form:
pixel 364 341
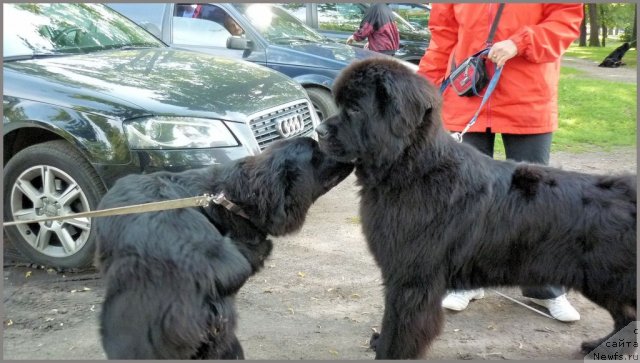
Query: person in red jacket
pixel 379 28
pixel 529 42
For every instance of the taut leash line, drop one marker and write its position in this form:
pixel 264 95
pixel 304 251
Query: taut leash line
pixel 523 304
pixel 198 201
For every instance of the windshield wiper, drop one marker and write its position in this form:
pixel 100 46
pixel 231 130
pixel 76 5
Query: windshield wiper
pixel 129 47
pixel 33 56
pixel 294 39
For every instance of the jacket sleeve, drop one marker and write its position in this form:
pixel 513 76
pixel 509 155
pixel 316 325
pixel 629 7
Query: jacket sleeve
pixel 549 39
pixel 363 32
pixel 444 35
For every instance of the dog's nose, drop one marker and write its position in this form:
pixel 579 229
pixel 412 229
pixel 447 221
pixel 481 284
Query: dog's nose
pixel 322 130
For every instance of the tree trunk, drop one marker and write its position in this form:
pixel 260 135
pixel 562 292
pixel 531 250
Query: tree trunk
pixel 594 36
pixel 634 33
pixel 603 20
pixel 583 28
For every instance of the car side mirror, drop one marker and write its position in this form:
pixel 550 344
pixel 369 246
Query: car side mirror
pixel 238 42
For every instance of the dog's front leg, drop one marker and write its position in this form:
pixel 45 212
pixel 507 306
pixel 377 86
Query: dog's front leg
pixel 412 319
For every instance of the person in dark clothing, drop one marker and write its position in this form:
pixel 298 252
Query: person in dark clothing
pixel 614 59
pixel 380 30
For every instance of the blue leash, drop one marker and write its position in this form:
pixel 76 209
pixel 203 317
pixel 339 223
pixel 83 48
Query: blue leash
pixel 492 85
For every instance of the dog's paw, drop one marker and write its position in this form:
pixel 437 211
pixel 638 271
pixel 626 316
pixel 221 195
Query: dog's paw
pixel 588 347
pixel 373 342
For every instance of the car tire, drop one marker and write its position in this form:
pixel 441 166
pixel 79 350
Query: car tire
pixel 322 101
pixel 50 179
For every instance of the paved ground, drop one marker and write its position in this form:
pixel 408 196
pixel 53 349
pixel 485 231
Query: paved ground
pixel 620 74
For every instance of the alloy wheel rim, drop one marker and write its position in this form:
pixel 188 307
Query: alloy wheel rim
pixel 46 191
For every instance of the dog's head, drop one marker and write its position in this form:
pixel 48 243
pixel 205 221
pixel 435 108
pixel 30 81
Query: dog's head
pixel 280 184
pixel 382 105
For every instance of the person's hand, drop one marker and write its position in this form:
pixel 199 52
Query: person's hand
pixel 366 45
pixel 502 51
pixel 350 39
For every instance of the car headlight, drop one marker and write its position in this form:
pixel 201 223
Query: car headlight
pixel 177 133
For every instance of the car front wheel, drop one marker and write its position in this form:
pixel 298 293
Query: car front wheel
pixel 322 101
pixel 46 180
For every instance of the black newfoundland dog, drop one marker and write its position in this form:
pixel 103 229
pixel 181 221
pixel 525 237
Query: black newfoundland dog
pixel 440 215
pixel 171 276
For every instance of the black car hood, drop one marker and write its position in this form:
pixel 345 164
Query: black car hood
pixel 331 55
pixel 160 81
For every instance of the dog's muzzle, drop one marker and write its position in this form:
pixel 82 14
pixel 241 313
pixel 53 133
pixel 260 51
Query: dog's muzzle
pixel 322 130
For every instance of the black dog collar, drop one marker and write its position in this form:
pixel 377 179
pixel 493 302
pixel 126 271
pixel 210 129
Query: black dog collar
pixel 222 200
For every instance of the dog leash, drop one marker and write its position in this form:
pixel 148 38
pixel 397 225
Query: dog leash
pixel 198 201
pixel 492 84
pixel 523 304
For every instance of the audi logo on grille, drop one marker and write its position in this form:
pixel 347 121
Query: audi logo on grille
pixel 289 126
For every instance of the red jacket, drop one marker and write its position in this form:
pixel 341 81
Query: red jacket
pixel 525 100
pixel 385 38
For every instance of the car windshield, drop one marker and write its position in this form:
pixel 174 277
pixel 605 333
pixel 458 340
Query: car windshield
pixel 32 30
pixel 277 25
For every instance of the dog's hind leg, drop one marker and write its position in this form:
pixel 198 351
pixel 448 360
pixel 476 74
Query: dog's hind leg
pixel 622 308
pixel 624 340
pixel 412 319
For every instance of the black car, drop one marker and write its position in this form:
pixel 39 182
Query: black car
pixel 89 96
pixel 261 33
pixel 339 20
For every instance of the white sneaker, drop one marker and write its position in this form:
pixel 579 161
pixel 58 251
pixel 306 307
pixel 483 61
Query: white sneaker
pixel 458 300
pixel 560 308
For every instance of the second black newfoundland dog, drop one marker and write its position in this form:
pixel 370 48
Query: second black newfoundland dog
pixel 440 215
pixel 171 276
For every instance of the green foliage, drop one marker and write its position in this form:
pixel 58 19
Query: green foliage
pixel 628 34
pixel 619 15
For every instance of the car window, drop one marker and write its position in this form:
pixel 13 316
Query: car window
pixel 149 16
pixel 203 25
pixel 277 25
pixel 417 15
pixel 348 16
pixel 340 16
pixel 403 25
pixel 68 28
pixel 299 10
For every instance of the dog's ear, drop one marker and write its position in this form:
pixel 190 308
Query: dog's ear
pixel 278 206
pixel 406 98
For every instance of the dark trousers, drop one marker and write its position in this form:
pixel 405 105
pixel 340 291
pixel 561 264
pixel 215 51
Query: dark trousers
pixel 530 148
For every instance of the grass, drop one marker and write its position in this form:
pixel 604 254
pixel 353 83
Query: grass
pixel 593 114
pixel 597 54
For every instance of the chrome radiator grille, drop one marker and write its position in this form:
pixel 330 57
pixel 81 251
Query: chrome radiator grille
pixel 282 122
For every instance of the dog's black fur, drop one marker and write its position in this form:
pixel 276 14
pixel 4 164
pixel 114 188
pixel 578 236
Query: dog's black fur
pixel 440 215
pixel 171 276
